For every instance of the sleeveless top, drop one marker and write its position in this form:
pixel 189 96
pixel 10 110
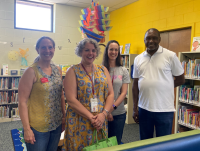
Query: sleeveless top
pixel 79 130
pixel 44 103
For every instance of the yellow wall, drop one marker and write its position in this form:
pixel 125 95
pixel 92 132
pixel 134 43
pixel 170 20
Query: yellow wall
pixel 132 21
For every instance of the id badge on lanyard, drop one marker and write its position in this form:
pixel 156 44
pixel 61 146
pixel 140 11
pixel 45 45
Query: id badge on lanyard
pixel 94 104
pixel 94 100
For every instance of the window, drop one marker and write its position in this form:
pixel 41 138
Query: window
pixel 33 16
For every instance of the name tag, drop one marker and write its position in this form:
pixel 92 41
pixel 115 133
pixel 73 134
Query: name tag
pixel 44 80
pixel 94 104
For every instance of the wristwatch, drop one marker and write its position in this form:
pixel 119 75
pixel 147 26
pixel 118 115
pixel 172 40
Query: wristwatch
pixel 114 107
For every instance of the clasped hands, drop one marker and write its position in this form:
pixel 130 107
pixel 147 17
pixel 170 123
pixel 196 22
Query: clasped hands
pixel 98 120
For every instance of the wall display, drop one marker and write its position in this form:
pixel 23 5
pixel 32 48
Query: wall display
pixel 13 55
pixel 127 48
pixel 196 44
pixel 24 56
pixel 94 17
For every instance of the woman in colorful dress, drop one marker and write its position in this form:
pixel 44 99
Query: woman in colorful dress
pixel 89 95
pixel 41 100
pixel 120 79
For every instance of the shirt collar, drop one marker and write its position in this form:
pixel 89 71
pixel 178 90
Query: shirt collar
pixel 160 50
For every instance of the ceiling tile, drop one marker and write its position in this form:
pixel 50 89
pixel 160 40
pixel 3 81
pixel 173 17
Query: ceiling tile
pixel 77 4
pixel 83 1
pixel 110 3
pixel 111 9
pixel 124 3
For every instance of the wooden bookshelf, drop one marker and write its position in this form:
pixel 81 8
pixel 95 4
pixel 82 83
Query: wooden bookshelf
pixel 186 56
pixel 129 97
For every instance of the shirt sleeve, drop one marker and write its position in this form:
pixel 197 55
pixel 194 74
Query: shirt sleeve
pixel 176 66
pixel 126 77
pixel 135 70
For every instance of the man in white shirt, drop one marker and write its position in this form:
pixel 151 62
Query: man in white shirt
pixel 157 71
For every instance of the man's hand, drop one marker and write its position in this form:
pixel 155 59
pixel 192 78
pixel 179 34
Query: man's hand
pixel 136 116
pixel 29 136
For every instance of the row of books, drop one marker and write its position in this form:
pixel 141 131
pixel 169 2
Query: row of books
pixel 125 61
pixel 15 83
pixel 4 111
pixel 4 83
pixel 189 116
pixel 191 68
pixel 7 83
pixel 190 94
pixel 5 99
pixel 15 112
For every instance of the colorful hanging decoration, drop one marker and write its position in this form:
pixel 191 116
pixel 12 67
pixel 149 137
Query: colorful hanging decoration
pixel 24 56
pixel 13 55
pixel 94 17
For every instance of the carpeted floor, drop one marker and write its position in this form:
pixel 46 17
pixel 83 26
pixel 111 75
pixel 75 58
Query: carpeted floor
pixel 131 133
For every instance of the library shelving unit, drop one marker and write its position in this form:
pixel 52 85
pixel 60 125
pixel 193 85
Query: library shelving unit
pixel 9 98
pixel 187 113
pixel 127 61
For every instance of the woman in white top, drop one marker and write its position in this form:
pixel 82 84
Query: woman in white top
pixel 120 79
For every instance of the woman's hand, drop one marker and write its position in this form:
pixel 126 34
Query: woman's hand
pixel 110 117
pixel 100 119
pixel 29 136
pixel 63 123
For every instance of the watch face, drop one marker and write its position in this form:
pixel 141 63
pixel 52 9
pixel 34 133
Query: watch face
pixel 115 107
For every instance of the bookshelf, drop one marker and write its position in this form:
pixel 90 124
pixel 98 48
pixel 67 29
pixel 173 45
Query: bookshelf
pixel 9 98
pixel 188 95
pixel 127 61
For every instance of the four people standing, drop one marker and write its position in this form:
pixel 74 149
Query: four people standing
pixel 90 96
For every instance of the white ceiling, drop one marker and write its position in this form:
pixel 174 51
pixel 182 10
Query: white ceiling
pixel 112 4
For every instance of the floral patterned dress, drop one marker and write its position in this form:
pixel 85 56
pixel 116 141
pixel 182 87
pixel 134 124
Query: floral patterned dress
pixel 79 130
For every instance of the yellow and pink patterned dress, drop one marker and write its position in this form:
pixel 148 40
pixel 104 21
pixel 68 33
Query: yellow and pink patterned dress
pixel 79 130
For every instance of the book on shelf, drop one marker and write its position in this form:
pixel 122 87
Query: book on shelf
pixel 196 44
pixel 4 111
pixel 121 48
pixel 22 71
pixel 64 69
pixel 127 48
pixel 15 83
pixel 125 61
pixel 190 94
pixel 189 116
pixel 5 69
pixel 191 68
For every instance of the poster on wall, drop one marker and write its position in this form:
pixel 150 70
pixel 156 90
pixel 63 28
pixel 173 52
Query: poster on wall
pixel 196 44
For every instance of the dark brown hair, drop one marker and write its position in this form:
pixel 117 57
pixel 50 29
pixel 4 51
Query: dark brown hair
pixel 105 55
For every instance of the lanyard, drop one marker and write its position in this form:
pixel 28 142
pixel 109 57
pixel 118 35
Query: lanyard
pixel 91 79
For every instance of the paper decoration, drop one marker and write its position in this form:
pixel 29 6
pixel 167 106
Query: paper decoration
pixel 196 44
pixel 13 55
pixel 5 69
pixel 94 17
pixel 127 48
pixel 24 56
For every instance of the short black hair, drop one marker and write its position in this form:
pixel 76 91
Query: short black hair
pixel 154 29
